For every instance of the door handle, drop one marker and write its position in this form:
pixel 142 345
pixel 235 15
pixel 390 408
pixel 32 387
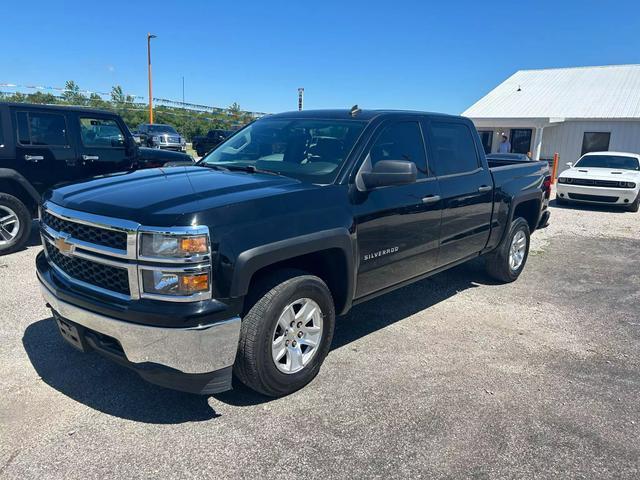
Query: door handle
pixel 485 188
pixel 33 158
pixel 431 199
pixel 90 158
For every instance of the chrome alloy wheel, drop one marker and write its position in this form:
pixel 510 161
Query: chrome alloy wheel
pixel 9 225
pixel 517 250
pixel 297 335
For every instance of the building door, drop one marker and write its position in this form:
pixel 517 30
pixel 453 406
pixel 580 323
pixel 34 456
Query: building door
pixel 520 140
pixel 486 138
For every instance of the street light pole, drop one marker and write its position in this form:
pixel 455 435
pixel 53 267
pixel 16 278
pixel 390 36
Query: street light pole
pixel 183 90
pixel 149 37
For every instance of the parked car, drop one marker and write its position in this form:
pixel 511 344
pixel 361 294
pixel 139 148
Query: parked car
pixel 242 262
pixel 41 146
pixel 161 136
pixel 202 144
pixel 610 178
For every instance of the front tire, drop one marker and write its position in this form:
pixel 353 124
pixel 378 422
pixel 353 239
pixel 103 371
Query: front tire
pixel 635 206
pixel 507 261
pixel 15 224
pixel 286 334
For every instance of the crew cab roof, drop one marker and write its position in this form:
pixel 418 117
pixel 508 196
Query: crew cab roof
pixel 360 115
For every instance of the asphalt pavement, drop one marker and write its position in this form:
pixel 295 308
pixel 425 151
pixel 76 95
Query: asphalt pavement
pixel 452 377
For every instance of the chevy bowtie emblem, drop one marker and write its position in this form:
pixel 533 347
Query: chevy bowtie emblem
pixel 63 246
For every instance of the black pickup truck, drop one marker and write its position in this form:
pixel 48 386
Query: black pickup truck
pixel 241 263
pixel 202 144
pixel 44 145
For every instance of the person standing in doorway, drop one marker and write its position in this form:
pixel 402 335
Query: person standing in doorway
pixel 505 145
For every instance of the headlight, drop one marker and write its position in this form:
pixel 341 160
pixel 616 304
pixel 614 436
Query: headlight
pixel 155 139
pixel 184 284
pixel 160 245
pixel 562 180
pixel 627 185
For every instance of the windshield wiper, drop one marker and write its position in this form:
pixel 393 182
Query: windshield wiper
pixel 238 168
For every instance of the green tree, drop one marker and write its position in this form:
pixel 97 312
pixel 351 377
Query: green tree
pixel 42 98
pixel 117 95
pixel 72 95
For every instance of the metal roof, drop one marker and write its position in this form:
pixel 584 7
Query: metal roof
pixel 581 92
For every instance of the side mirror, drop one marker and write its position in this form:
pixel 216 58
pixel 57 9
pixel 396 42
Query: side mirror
pixel 569 164
pixel 390 172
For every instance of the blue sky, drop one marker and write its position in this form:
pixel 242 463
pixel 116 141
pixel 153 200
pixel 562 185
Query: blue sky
pixel 423 55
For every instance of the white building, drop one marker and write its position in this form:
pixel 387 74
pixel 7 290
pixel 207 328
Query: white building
pixel 569 111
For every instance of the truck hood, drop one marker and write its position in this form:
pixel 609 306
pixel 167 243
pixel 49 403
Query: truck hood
pixel 167 196
pixel 602 174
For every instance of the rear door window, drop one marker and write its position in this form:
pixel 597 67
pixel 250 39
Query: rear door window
pixel 452 148
pixel 42 129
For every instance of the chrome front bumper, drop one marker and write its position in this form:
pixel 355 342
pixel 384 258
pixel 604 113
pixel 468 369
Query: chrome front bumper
pixel 195 350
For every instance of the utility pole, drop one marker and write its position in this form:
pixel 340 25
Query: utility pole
pixel 149 37
pixel 183 90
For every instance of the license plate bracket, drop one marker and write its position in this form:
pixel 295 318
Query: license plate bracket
pixel 72 334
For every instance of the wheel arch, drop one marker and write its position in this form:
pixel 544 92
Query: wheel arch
pixel 13 183
pixel 327 254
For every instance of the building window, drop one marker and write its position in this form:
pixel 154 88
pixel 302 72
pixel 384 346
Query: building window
pixel 486 137
pixel 595 142
pixel 520 140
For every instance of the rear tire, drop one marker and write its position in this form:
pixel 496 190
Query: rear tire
pixel 635 206
pixel 262 330
pixel 507 261
pixel 15 224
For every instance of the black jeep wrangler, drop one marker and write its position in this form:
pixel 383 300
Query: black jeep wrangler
pixel 43 145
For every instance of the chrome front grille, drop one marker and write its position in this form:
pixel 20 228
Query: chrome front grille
pixel 99 236
pixel 106 277
pixel 101 253
pixel 93 251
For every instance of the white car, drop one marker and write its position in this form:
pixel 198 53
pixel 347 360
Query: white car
pixel 611 178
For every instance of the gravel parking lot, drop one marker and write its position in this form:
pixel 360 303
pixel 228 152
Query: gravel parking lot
pixel 452 377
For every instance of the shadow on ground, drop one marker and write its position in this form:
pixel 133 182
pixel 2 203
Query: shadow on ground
pixel 109 388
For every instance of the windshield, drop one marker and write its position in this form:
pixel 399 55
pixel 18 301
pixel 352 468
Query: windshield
pixel 306 149
pixel 162 129
pixel 609 161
